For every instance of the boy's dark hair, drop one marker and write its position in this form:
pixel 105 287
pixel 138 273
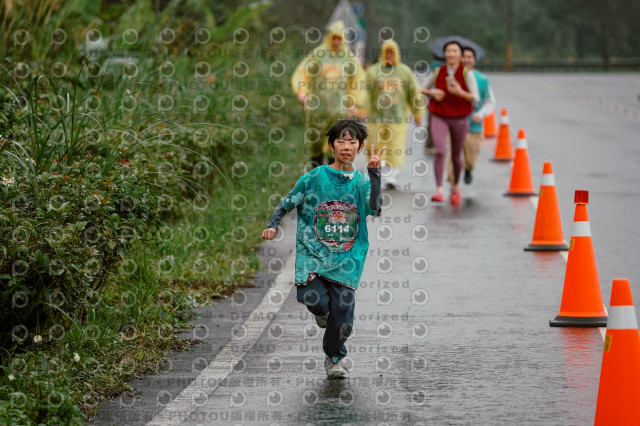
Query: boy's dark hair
pixel 347 127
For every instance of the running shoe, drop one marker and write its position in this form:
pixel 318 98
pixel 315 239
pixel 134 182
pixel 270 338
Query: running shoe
pixel 468 177
pixel 437 197
pixel 321 320
pixel 336 369
pixel 455 198
pixel 328 363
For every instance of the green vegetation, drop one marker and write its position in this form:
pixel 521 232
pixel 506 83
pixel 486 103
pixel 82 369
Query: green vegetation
pixel 139 146
pixel 143 145
pixel 542 30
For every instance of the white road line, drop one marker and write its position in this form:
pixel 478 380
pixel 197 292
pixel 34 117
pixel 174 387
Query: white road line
pixel 565 255
pixel 196 394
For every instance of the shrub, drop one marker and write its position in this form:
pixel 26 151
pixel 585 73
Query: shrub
pixel 71 208
pixel 116 217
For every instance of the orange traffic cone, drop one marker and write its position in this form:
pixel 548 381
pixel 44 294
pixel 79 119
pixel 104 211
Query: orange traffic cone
pixel 619 390
pixel 503 146
pixel 581 304
pixel 547 231
pixel 490 125
pixel 521 182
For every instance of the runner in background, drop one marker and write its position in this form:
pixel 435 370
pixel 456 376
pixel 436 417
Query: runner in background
pixel 430 147
pixel 452 91
pixel 484 108
pixel 330 83
pixel 393 91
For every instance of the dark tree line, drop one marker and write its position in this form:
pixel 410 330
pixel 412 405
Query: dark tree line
pixel 542 30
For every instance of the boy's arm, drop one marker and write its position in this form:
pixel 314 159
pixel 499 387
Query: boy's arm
pixel 373 167
pixel 286 204
pixel 278 214
pixel 375 193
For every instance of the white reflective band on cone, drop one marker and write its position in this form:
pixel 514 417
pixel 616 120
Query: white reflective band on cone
pixel 521 143
pixel 581 229
pixel 622 318
pixel 505 119
pixel 548 180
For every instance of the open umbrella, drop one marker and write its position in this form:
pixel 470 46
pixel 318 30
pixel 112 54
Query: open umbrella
pixel 437 46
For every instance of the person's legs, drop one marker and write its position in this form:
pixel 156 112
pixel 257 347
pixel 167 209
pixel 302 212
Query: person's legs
pixel 324 125
pixel 439 131
pixel 340 322
pixel 471 151
pixel 395 153
pixel 429 146
pixel 396 145
pixel 313 139
pixel 393 137
pixel 315 296
pixel 459 128
pixel 448 162
pixel 472 144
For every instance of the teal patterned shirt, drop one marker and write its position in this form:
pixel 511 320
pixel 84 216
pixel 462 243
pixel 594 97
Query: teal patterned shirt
pixel 331 237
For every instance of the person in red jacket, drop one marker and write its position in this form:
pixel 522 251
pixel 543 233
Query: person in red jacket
pixel 452 91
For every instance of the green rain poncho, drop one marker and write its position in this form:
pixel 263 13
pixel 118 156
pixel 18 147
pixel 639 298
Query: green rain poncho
pixel 335 87
pixel 393 91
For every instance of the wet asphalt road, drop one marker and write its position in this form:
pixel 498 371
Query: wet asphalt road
pixel 451 322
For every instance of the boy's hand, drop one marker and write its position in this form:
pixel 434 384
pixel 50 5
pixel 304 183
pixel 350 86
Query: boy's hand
pixel 269 233
pixel 375 160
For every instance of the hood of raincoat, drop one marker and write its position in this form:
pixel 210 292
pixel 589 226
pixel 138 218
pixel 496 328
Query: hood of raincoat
pixel 396 49
pixel 335 29
pixel 302 81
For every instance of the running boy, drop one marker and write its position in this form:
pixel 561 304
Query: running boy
pixel 332 239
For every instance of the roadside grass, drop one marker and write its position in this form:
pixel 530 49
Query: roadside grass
pixel 129 325
pixel 134 189
pixel 128 218
pixel 191 263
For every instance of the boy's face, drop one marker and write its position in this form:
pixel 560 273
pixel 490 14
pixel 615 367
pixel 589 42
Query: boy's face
pixel 345 149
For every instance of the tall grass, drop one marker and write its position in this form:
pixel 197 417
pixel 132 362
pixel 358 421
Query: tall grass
pixel 120 210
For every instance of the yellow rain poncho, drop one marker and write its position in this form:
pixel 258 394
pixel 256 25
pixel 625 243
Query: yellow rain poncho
pixel 393 91
pixel 335 87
